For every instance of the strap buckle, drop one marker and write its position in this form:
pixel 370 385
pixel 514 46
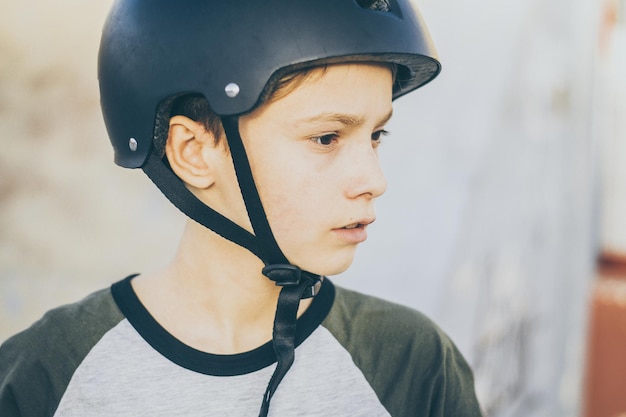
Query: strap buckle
pixel 285 275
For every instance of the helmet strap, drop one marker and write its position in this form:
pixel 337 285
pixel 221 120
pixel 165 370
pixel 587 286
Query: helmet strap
pixel 250 194
pixel 174 189
pixel 284 334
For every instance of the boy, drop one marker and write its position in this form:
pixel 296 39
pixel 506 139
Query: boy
pixel 261 122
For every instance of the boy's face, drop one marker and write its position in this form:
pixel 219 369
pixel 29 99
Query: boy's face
pixel 313 154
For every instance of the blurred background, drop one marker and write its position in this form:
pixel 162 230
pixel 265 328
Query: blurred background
pixel 503 220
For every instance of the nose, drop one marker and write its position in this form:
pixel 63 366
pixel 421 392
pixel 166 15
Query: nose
pixel 366 177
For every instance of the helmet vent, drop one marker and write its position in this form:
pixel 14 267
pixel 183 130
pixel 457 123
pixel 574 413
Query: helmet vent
pixel 375 5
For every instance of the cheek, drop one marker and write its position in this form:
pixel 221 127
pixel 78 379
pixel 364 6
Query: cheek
pixel 301 195
pixel 289 200
pixel 278 178
pixel 294 202
pixel 302 207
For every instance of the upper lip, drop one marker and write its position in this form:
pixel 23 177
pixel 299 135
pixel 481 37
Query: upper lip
pixel 360 223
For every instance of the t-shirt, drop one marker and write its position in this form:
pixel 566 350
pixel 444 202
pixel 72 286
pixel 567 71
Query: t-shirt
pixel 355 355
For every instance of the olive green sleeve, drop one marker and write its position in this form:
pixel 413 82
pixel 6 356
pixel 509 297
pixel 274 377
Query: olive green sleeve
pixel 37 364
pixel 413 366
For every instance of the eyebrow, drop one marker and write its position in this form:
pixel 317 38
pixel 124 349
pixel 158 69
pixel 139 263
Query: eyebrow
pixel 343 118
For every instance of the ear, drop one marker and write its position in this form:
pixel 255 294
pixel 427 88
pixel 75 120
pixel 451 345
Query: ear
pixel 188 150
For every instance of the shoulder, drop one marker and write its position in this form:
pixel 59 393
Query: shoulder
pixel 61 328
pixel 37 364
pixel 364 316
pixel 411 363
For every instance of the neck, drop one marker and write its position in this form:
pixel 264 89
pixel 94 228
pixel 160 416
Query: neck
pixel 212 296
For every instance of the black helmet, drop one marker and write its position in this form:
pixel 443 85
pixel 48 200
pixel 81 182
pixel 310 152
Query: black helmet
pixel 231 52
pixel 151 50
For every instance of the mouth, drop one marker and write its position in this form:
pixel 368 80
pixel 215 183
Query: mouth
pixel 354 233
pixel 359 225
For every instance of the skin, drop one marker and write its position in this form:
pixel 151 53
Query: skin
pixel 313 153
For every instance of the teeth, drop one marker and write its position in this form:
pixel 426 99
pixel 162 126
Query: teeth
pixel 352 226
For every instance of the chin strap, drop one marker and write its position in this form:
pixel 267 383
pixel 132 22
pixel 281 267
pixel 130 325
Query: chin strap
pixel 284 334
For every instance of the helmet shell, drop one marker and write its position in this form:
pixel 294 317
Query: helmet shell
pixel 154 49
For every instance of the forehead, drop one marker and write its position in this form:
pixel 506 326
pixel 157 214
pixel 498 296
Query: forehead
pixel 358 88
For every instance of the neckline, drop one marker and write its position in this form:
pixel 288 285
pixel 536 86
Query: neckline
pixel 209 363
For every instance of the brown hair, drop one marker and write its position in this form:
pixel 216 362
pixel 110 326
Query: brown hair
pixel 196 107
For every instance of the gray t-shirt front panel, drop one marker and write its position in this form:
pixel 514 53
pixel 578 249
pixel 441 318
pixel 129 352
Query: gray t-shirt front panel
pixel 124 376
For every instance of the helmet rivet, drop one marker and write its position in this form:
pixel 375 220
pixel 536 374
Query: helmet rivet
pixel 232 90
pixel 132 144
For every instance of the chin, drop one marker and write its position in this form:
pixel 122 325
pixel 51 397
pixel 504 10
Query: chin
pixel 330 267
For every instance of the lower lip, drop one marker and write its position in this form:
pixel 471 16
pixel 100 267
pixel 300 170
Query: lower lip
pixel 356 235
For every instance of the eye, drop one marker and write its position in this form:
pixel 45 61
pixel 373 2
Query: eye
pixel 325 140
pixel 377 136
